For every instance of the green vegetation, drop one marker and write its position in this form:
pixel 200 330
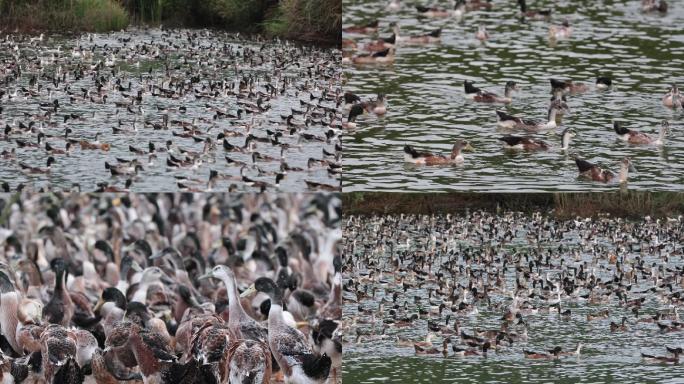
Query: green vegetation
pixel 628 204
pixel 311 20
pixel 84 15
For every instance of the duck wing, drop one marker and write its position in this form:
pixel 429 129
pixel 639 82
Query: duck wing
pixel 292 345
pixel 503 116
pixel 409 149
pixel 583 165
pixel 512 140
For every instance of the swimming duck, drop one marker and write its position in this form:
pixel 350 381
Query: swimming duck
pixel 533 14
pixel 354 112
pixel 673 98
pixel 603 82
pixel 95 144
pixel 368 28
pixel 509 121
pixel 553 354
pixel 665 359
pixel 36 170
pixel 474 93
pixel 635 137
pixel 288 345
pixel 249 361
pixel 482 33
pixel 385 56
pixel 436 12
pixel 563 31
pixel 427 158
pixel 596 173
pixel 654 6
pixel 567 86
pixel 526 143
pixel 60 309
pixel 376 106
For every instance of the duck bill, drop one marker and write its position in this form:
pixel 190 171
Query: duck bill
pixel 469 148
pixel 136 267
pixel 205 276
pixel 99 305
pixel 249 291
pixel 632 168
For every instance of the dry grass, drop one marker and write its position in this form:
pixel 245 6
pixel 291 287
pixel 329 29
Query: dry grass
pixel 562 205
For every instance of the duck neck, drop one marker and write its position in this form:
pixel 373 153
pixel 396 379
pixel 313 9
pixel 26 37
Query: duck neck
pixel 455 153
pixel 624 170
pixel 552 116
pixel 237 313
pixel 565 141
pixel 663 132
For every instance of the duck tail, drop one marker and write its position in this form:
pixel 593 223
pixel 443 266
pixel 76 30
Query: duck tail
pixel 422 9
pixel 107 166
pixel 619 129
pixel 436 33
pixel 410 151
pixel 502 115
pixel 647 356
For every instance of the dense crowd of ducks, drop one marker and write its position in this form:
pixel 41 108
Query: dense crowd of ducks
pixel 428 283
pixel 523 133
pixel 183 288
pixel 211 110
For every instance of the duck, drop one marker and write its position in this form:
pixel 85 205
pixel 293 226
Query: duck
pixel 482 351
pixel 664 359
pixel 615 327
pixel 435 36
pixel 603 82
pixel 368 28
pixel 634 137
pixel 567 86
pixel 532 144
pixel 289 346
pixel 125 169
pixel 558 32
pixel 376 106
pixel 95 144
pixel 411 155
pixel 36 170
pixel 596 173
pixel 654 6
pixel 474 93
pixel 354 112
pixel 533 14
pixel 385 56
pixel 673 98
pixel 436 12
pixel 482 33
pixel 553 354
pixel 509 121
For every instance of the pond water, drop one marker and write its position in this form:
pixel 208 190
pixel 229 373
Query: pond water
pixel 642 53
pixel 606 356
pixel 187 75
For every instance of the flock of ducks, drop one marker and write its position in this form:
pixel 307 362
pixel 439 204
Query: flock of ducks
pixel 521 129
pixel 428 283
pixel 211 110
pixel 183 288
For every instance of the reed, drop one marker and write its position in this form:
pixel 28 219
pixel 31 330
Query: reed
pixel 61 15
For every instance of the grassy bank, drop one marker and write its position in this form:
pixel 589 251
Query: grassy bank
pixel 308 20
pixel 563 205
